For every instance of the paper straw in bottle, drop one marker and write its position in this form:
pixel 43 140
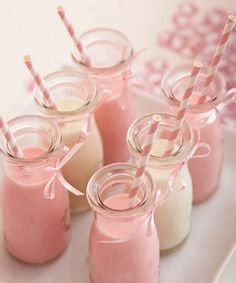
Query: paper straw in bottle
pixel 180 116
pixel 215 60
pixel 153 128
pixel 13 146
pixel 71 31
pixel 39 81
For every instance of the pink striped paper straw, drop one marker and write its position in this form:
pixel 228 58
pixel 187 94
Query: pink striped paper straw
pixel 183 107
pixel 71 32
pixel 214 63
pixel 15 149
pixel 39 81
pixel 144 159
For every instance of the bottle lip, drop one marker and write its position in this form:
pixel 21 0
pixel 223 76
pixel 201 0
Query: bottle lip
pixel 25 123
pixel 57 79
pixel 106 174
pixel 118 67
pixel 185 146
pixel 183 71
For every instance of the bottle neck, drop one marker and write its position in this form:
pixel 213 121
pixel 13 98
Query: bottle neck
pixel 174 83
pixel 73 94
pixel 182 147
pixel 109 188
pixel 110 53
pixel 122 230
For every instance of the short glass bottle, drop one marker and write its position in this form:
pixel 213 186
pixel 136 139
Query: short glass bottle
pixel 123 245
pixel 36 229
pixel 75 98
pixel 205 172
pixel 173 215
pixel 110 53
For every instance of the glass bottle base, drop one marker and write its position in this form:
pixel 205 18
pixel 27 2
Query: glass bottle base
pixel 78 204
pixel 205 197
pixel 173 249
pixel 46 261
pixel 77 210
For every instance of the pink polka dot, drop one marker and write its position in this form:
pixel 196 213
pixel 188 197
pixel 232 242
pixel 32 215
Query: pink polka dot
pixel 215 19
pixel 188 33
pixel 188 52
pixel 165 38
pixel 177 43
pixel 181 20
pixel 189 8
pixel 157 64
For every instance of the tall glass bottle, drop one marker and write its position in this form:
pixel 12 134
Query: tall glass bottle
pixel 205 117
pixel 36 229
pixel 123 245
pixel 110 53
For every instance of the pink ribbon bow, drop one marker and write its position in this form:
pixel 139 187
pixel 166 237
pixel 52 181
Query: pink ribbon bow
pixel 176 173
pixel 49 189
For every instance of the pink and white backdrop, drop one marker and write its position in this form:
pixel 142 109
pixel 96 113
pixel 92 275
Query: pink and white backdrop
pixel 173 31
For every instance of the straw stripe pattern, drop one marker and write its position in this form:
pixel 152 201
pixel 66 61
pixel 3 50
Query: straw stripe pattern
pixel 71 32
pixel 183 107
pixel 144 158
pixel 16 150
pixel 39 81
pixel 214 63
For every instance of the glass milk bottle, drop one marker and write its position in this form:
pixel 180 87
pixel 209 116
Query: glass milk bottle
pixel 110 53
pixel 173 216
pixel 205 117
pixel 123 244
pixel 75 98
pixel 36 229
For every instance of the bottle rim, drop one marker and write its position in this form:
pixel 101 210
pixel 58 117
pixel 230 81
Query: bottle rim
pixel 59 79
pixel 27 124
pixel 105 71
pixel 172 77
pixel 110 174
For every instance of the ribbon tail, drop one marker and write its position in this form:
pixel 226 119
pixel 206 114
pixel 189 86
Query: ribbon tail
pixel 86 127
pixel 49 189
pixel 174 175
pixel 171 180
pixel 70 154
pixel 68 186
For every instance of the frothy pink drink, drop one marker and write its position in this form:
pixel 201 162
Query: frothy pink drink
pixel 35 229
pixel 123 252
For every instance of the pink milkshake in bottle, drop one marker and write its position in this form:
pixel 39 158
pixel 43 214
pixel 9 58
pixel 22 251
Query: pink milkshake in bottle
pixel 123 245
pixel 205 172
pixel 110 54
pixel 36 229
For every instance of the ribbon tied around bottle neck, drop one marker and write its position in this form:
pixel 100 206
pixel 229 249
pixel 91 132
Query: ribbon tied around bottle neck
pixel 125 77
pixel 176 173
pixel 49 189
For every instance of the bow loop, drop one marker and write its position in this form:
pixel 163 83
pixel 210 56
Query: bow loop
pixel 49 189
